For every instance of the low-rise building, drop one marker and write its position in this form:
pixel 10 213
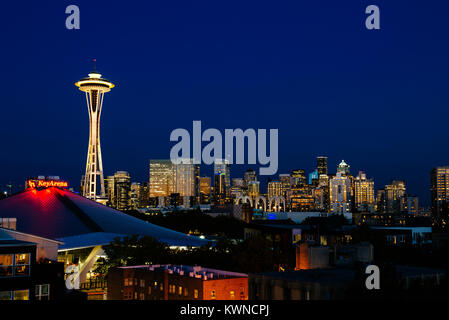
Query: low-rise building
pixel 316 284
pixel 28 267
pixel 173 282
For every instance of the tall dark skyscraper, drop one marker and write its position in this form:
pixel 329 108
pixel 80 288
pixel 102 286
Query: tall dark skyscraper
pixel 219 188
pixel 196 171
pixel 119 190
pixel 250 176
pixel 321 165
pixel 204 190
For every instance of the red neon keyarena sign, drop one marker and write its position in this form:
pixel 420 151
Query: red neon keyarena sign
pixel 47 183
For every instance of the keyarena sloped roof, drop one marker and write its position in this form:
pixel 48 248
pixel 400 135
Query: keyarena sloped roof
pixel 79 222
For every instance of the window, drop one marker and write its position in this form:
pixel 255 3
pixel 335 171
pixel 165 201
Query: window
pixel 269 292
pixel 5 295
pixel 6 263
pixel 232 294
pixel 142 283
pixel 14 265
pixel 149 290
pixel 180 290
pixel 212 294
pixel 21 295
pixel 42 292
pixel 22 258
pixel 287 294
pixel 323 240
pixel 142 296
pixel 306 294
pixel 186 292
pixel 161 287
pixel 195 294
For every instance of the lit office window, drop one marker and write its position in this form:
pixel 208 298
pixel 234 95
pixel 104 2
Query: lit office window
pixel 21 295
pixel 212 294
pixel 195 294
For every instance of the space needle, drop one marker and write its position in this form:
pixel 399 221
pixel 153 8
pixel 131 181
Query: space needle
pixel 95 87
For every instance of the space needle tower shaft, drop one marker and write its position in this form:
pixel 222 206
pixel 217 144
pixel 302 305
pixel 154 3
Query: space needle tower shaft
pixel 94 87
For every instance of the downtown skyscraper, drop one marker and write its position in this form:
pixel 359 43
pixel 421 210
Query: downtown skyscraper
pixel 394 194
pixel 167 178
pixel 222 166
pixel 340 193
pixel 439 191
pixel 364 193
pixel 186 178
pixel 321 165
pixel 222 180
pixel 162 178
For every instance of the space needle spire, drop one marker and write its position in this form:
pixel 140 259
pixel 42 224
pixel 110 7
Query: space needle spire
pixel 95 87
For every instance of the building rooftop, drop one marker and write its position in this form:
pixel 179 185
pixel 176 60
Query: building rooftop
pixel 8 241
pixel 80 222
pixel 192 271
pixel 314 275
pixel 345 275
pixel 412 271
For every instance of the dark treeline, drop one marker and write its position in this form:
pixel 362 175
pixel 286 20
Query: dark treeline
pixel 196 222
pixel 252 255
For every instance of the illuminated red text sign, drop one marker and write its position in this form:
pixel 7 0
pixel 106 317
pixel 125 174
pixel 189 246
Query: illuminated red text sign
pixel 47 183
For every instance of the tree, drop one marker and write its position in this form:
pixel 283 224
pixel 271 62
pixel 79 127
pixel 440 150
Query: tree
pixel 136 250
pixel 254 255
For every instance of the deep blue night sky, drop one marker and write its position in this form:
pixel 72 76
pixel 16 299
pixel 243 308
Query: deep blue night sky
pixel 377 99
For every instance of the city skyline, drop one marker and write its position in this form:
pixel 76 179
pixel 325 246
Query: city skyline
pixel 243 157
pixel 241 169
pixel 375 116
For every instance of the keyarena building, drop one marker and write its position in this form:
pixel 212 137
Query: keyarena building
pixel 47 209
